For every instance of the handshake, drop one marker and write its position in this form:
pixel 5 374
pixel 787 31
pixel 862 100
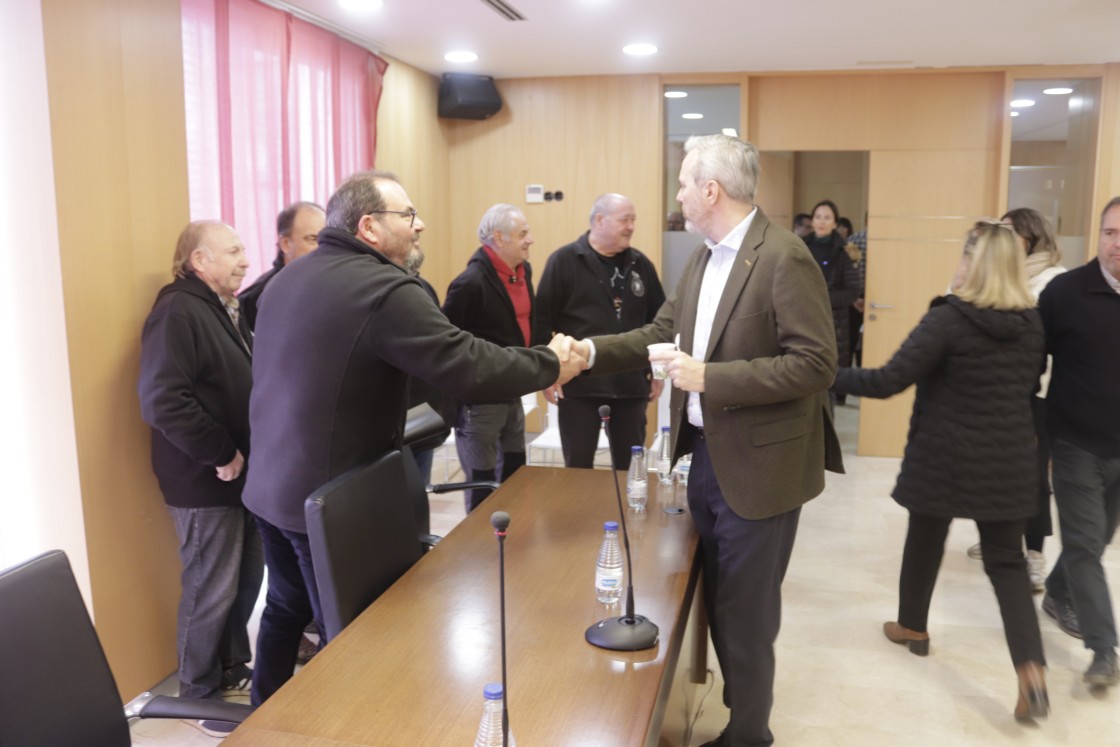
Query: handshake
pixel 573 355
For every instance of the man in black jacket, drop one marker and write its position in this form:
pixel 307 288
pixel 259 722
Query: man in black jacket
pixel 493 299
pixel 339 335
pixel 1081 314
pixel 194 393
pixel 297 234
pixel 600 285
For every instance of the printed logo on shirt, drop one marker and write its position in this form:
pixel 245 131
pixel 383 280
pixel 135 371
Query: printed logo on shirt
pixel 637 287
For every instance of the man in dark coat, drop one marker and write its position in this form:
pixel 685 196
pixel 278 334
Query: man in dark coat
pixel 194 392
pixel 297 234
pixel 339 334
pixel 493 300
pixel 1081 314
pixel 600 285
pixel 757 354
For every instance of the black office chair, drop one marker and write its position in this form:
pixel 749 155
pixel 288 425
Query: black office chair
pixel 363 535
pixel 56 689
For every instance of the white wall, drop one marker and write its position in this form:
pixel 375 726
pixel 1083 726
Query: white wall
pixel 40 498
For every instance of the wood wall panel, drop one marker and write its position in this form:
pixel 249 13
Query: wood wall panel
pixel 582 136
pixel 412 143
pixel 114 71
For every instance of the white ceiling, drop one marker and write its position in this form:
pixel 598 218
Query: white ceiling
pixel 585 37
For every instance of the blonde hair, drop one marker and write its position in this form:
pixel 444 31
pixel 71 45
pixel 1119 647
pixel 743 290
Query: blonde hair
pixel 996 277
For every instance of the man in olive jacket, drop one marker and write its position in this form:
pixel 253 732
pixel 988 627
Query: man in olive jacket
pixel 757 353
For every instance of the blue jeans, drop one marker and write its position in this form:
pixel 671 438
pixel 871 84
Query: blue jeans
pixel 1087 492
pixel 291 603
pixel 220 551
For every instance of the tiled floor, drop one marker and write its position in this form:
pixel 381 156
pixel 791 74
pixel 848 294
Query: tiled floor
pixel 839 681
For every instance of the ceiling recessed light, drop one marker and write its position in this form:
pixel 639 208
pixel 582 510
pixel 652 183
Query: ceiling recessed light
pixel 1021 103
pixel 460 56
pixel 640 50
pixel 676 94
pixel 1014 114
pixel 692 115
pixel 360 6
pixel 1059 91
pixel 730 132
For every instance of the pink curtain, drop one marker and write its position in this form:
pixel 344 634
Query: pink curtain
pixel 278 110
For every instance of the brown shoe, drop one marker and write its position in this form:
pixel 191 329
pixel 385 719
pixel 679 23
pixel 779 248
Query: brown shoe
pixel 917 642
pixel 1034 703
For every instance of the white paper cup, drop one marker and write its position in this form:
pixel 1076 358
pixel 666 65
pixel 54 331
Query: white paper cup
pixel 659 366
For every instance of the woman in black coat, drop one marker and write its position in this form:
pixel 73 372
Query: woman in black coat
pixel 841 274
pixel 970 453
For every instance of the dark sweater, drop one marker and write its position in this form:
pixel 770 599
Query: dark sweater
pixel 1081 315
pixel 195 376
pixel 970 452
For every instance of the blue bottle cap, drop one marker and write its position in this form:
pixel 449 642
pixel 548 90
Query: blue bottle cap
pixel 493 691
pixel 611 526
pixel 635 449
pixel 664 429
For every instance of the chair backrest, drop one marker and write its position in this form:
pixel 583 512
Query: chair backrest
pixel 56 689
pixel 363 536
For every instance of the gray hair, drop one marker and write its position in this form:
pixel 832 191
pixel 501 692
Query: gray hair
pixel 194 236
pixel 605 205
pixel 355 197
pixel 729 161
pixel 500 217
pixel 1115 201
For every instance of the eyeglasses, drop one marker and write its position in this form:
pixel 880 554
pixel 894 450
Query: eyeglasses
pixel 410 213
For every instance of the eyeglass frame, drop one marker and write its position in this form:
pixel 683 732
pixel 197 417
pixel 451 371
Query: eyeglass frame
pixel 410 213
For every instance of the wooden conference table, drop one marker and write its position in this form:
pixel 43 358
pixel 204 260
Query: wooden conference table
pixel 409 671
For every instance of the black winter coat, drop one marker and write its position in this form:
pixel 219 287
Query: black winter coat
pixel 195 377
pixel 844 282
pixel 970 452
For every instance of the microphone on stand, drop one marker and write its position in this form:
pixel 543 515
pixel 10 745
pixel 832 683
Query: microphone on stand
pixel 500 521
pixel 630 632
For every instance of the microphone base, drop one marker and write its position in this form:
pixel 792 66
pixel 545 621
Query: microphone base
pixel 623 633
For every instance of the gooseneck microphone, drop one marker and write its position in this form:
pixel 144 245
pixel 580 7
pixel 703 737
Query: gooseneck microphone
pixel 630 632
pixel 500 521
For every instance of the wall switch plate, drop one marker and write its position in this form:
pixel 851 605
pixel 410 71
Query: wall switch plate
pixel 534 193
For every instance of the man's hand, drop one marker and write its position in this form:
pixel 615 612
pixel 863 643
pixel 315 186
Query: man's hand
pixel 655 387
pixel 686 372
pixel 230 472
pixel 572 360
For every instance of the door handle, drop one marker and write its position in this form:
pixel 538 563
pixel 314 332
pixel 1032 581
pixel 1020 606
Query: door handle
pixel 881 305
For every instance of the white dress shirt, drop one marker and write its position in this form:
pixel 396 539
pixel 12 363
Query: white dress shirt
pixel 711 290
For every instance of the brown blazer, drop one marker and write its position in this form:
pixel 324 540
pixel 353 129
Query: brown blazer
pixel 770 361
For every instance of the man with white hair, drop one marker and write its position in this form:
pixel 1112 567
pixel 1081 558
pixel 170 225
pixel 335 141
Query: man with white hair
pixel 599 285
pixel 195 376
pixel 493 299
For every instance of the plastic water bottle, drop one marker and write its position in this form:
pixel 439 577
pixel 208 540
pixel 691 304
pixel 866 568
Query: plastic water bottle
pixel 608 569
pixel 684 464
pixel 665 458
pixel 637 481
pixel 490 728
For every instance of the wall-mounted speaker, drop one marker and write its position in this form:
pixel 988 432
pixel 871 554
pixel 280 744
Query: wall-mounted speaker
pixel 465 96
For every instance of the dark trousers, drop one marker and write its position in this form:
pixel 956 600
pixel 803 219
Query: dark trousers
pixel 291 603
pixel 1001 546
pixel 580 422
pixel 1040 525
pixel 1087 491
pixel 744 562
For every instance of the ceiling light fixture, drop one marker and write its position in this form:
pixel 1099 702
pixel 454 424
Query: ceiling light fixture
pixel 676 94
pixel 640 49
pixel 360 6
pixel 1058 91
pixel 692 115
pixel 730 132
pixel 461 55
pixel 1022 103
pixel 1014 114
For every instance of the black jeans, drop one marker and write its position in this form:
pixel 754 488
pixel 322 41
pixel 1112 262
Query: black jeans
pixel 579 423
pixel 292 602
pixel 1001 545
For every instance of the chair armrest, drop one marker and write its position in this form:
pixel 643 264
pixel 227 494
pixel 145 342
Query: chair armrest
pixel 451 487
pixel 148 705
